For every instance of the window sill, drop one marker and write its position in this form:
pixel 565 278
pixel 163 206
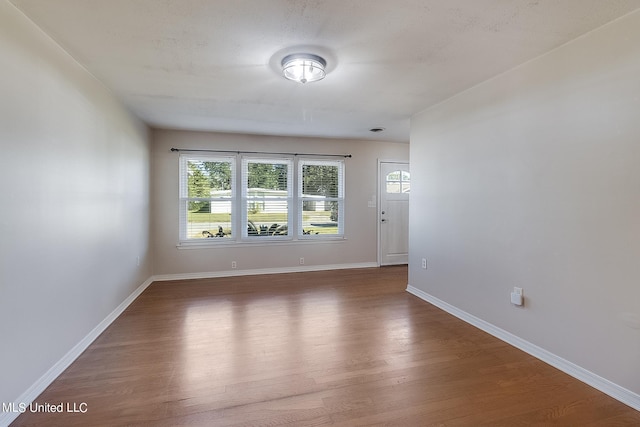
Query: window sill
pixel 245 243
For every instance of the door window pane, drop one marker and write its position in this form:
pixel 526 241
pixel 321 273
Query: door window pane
pixel 398 182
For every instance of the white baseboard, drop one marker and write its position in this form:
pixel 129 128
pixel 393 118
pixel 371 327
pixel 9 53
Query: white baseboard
pixel 277 270
pixel 43 382
pixel 614 390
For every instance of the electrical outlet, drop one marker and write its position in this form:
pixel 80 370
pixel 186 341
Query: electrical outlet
pixel 138 261
pixel 516 296
pixel 234 264
pixel 301 261
pixel 424 263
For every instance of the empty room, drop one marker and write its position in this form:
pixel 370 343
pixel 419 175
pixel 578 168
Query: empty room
pixel 320 212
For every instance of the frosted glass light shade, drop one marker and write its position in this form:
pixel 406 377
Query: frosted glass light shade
pixel 303 67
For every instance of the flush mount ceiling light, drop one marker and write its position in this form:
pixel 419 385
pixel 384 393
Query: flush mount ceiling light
pixel 303 67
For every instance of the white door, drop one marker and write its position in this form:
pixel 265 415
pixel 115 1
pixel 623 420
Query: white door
pixel 393 213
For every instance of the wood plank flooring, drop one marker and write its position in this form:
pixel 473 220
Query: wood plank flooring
pixel 346 347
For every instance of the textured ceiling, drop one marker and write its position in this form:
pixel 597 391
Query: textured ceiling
pixel 213 65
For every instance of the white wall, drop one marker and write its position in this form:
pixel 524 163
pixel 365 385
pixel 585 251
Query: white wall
pixel 360 226
pixel 532 179
pixel 74 196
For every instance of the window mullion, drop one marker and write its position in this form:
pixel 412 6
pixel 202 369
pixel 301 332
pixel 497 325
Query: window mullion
pixel 293 199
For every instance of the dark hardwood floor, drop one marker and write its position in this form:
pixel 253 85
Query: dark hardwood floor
pixel 347 347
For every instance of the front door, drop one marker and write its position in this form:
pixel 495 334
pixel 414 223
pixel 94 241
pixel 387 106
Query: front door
pixel 393 213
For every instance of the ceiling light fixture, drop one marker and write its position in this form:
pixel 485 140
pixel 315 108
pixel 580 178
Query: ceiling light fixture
pixel 303 67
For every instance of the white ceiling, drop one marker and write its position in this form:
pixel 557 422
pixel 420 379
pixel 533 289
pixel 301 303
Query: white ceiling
pixel 213 65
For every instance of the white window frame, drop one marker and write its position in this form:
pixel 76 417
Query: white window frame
pixel 301 198
pixel 185 199
pixel 239 199
pixel 245 199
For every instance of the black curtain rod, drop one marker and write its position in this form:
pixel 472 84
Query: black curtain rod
pixel 261 152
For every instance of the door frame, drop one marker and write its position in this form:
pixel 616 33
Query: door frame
pixel 378 204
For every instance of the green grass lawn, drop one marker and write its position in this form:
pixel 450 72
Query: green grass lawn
pixel 268 219
pixel 261 217
pixel 208 217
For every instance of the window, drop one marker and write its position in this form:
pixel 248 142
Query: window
pixel 236 199
pixel 266 197
pixel 206 197
pixel 320 197
pixel 398 182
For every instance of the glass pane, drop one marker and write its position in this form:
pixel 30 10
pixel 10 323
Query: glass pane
pixel 205 177
pixel 320 217
pixel 393 187
pixel 267 197
pixel 267 217
pixel 319 180
pixel 215 222
pixel 406 176
pixel 406 187
pixel 268 176
pixel 393 182
pixel 208 187
pixel 393 176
